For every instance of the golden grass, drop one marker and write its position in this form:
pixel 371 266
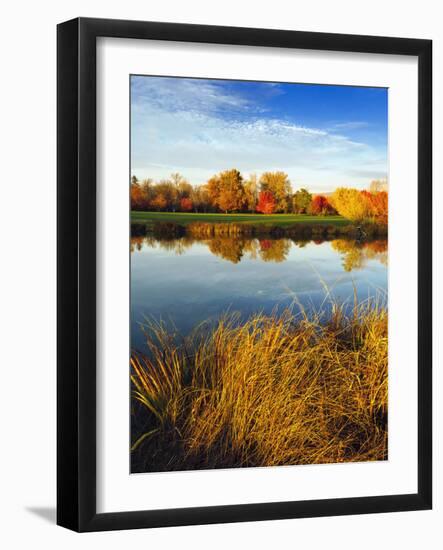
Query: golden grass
pixel 275 390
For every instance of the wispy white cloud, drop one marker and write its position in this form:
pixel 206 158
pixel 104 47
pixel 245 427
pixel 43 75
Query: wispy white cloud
pixel 200 127
pixel 351 125
pixel 184 94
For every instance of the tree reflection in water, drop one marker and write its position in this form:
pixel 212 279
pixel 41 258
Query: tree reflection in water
pixel 355 254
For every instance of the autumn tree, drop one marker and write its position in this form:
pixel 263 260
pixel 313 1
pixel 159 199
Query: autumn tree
pixel 226 191
pixel 320 206
pixel 200 198
pixel 378 185
pixel 266 202
pixel 213 188
pixel 232 195
pixel 279 185
pixel 136 195
pixel 176 179
pixel 182 186
pixel 148 193
pixel 350 204
pixel 251 192
pixel 301 201
pixel 186 204
pixel 377 205
pixel 166 189
pixel 159 202
pixel 380 207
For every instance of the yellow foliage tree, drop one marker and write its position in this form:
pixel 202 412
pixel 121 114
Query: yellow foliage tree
pixel 350 204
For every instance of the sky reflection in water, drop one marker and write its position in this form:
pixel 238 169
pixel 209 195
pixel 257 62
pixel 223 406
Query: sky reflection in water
pixel 186 281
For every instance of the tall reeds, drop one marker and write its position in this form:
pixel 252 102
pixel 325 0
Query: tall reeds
pixel 274 390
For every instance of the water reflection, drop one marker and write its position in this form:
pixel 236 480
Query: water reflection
pixel 187 280
pixel 354 254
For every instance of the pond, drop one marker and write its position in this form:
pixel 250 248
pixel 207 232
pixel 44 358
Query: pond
pixel 186 281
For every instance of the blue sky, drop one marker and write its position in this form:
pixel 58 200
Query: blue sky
pixel 323 137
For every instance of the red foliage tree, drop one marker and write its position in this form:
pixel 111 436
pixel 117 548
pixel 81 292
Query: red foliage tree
pixel 266 202
pixel 321 206
pixel 186 204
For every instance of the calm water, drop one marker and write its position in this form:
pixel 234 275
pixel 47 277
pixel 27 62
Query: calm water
pixel 186 281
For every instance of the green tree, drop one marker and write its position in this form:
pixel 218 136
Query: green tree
pixel 301 201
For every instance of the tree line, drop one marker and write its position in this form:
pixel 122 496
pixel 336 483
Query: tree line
pixel 271 193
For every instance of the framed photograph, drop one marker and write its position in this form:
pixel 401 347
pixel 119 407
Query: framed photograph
pixel 244 274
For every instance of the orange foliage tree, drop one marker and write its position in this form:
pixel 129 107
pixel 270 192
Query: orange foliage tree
pixel 160 202
pixel 377 204
pixel 380 206
pixel 137 199
pixel 186 204
pixel 226 191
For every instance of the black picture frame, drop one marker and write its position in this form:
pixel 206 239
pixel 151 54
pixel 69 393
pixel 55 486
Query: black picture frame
pixel 76 265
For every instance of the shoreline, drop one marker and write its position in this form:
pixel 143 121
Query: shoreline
pixel 302 230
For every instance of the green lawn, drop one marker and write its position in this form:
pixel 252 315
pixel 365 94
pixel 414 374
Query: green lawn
pixel 274 219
